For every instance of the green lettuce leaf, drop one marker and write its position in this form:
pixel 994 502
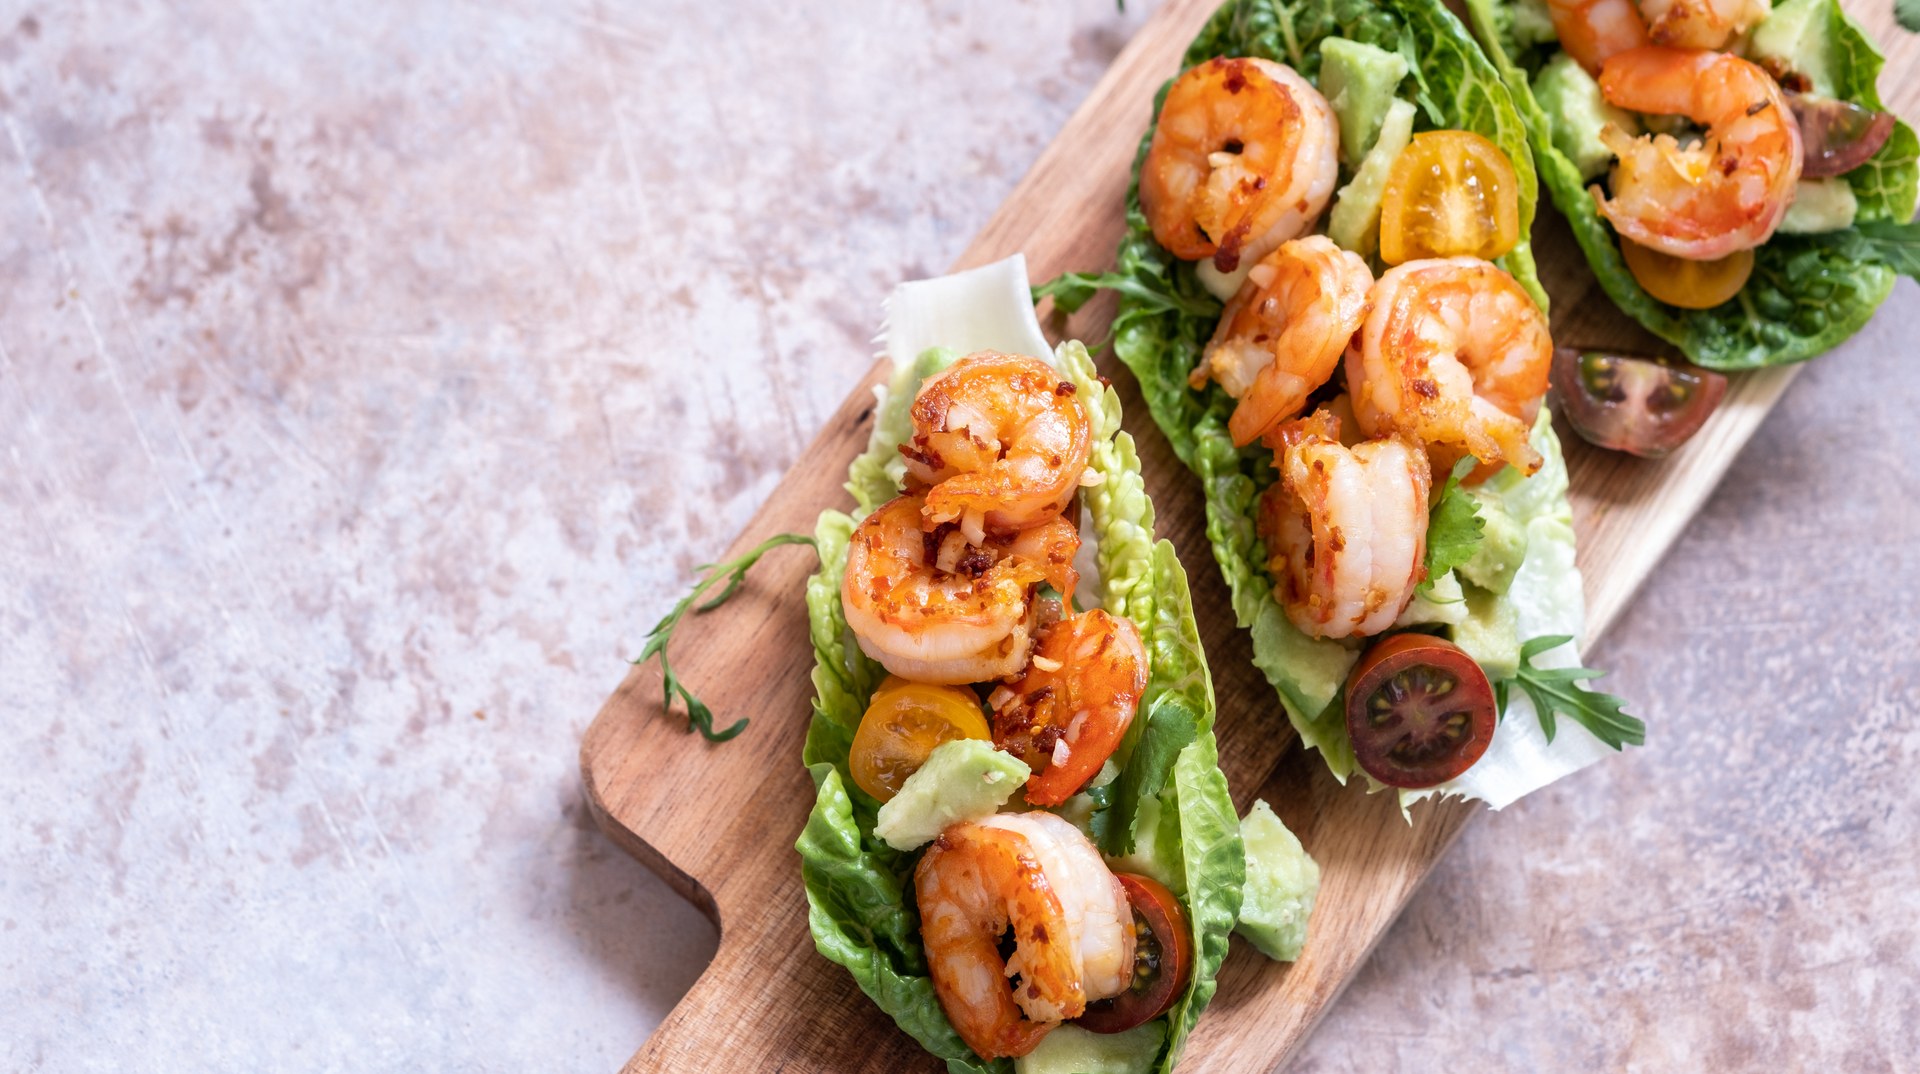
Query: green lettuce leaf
pixel 1807 293
pixel 1215 861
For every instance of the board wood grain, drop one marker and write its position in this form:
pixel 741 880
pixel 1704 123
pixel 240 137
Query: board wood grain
pixel 719 821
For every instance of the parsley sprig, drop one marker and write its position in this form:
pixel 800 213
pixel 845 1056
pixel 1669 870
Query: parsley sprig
pixel 1455 528
pixel 699 716
pixel 1553 691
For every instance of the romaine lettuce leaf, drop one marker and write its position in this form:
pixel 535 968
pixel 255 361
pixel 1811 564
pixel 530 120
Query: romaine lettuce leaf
pixel 1807 293
pixel 1216 868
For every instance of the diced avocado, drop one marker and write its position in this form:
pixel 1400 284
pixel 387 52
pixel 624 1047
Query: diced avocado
pixel 1572 101
pixel 1441 603
pixel 962 780
pixel 1068 1049
pixel 1798 36
pixel 1820 205
pixel 1156 847
pixel 1354 223
pixel 1490 633
pixel 1503 546
pixel 1531 23
pixel 1358 81
pixel 1282 882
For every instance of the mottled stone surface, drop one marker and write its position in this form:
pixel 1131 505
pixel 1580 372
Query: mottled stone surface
pixel 371 376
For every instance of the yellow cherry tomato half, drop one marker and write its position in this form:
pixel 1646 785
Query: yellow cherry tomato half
pixel 1691 285
pixel 1450 194
pixel 902 726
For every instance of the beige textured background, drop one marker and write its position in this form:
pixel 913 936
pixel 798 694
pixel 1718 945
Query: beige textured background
pixel 371 375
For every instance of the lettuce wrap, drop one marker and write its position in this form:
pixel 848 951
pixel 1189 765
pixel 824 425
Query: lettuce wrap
pixel 861 909
pixel 1808 292
pixel 1166 317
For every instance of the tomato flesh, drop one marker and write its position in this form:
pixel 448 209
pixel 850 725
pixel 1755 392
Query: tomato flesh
pixel 1837 136
pixel 903 724
pixel 1690 285
pixel 1162 960
pixel 1419 711
pixel 1643 406
pixel 1450 194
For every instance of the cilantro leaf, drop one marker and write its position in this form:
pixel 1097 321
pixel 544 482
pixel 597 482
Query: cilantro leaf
pixel 1553 692
pixel 1455 527
pixel 699 716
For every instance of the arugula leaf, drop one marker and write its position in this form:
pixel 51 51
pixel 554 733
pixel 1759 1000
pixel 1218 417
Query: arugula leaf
pixel 1896 246
pixel 699 716
pixel 1455 528
pixel 1171 726
pixel 1553 691
pixel 1071 290
pixel 1907 14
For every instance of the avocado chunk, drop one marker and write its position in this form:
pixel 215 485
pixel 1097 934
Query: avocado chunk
pixel 1282 882
pixel 1490 633
pixel 1798 37
pixel 1820 205
pixel 1354 223
pixel 1358 81
pixel 1577 111
pixel 1068 1049
pixel 966 779
pixel 1503 546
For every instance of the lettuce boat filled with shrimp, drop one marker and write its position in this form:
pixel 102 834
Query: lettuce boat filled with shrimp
pixel 1022 844
pixel 1728 170
pixel 1385 495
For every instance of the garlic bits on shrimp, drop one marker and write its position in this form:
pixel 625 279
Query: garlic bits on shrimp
pixel 1001 441
pixel 933 607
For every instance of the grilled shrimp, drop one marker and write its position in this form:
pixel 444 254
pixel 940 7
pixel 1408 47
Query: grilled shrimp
pixel 1454 355
pixel 1281 336
pixel 1002 441
pixel 933 608
pixel 1077 699
pixel 1704 201
pixel 1346 528
pixel 1592 30
pixel 1072 926
pixel 1243 158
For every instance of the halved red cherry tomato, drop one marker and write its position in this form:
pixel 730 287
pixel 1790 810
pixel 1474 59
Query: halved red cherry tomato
pixel 1068 713
pixel 1691 285
pixel 905 721
pixel 1643 406
pixel 1450 194
pixel 1419 711
pixel 1162 960
pixel 1837 136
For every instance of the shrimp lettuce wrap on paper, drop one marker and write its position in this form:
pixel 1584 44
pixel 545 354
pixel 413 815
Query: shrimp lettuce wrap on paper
pixel 1092 815
pixel 1729 171
pixel 1385 494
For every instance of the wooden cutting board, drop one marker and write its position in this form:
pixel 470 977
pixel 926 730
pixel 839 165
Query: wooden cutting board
pixel 718 822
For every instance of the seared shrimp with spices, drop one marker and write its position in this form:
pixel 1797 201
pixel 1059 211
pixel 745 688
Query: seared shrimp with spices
pixel 1071 923
pixel 1244 157
pixel 1454 355
pixel 933 608
pixel 1067 714
pixel 1002 442
pixel 1346 528
pixel 1282 335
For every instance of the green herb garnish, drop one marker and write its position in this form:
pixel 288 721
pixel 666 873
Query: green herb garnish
pixel 1071 290
pixel 699 716
pixel 1553 691
pixel 1455 528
